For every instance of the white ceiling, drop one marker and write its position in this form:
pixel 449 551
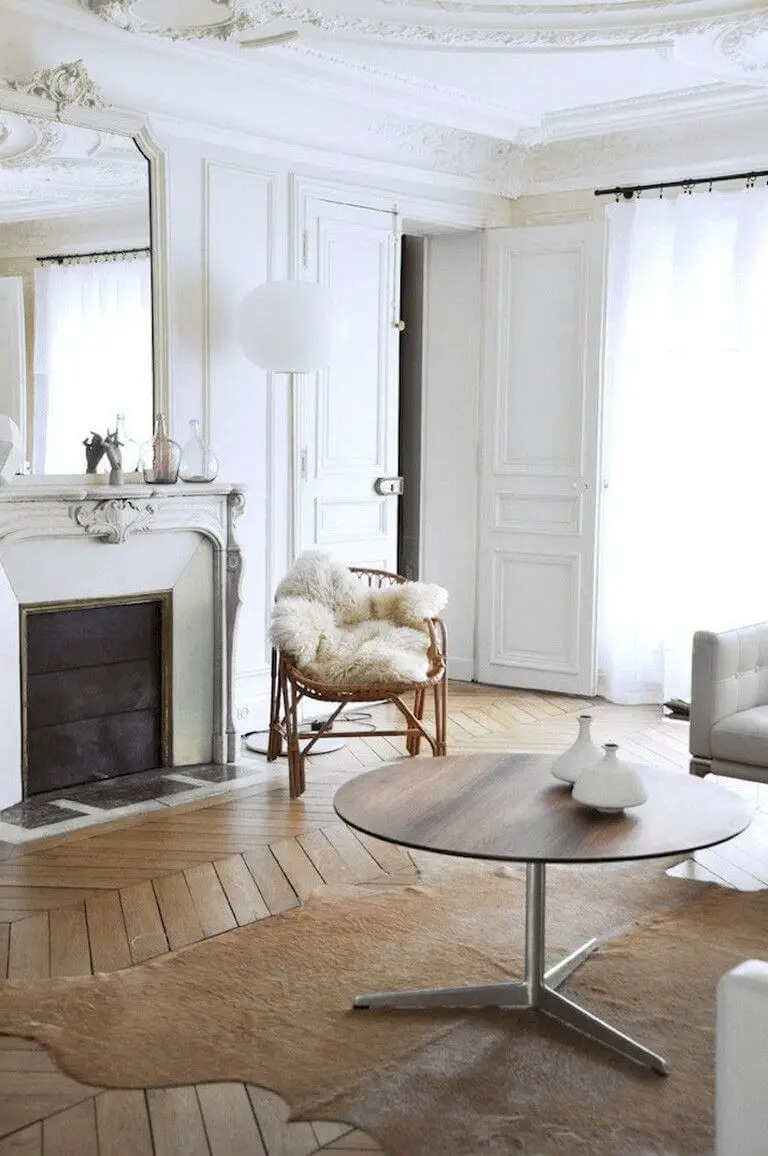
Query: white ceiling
pixel 512 96
pixel 528 71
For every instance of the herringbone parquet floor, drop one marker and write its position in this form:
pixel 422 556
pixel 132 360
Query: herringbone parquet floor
pixel 110 897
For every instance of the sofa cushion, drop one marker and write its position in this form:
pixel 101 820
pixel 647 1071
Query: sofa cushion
pixel 742 737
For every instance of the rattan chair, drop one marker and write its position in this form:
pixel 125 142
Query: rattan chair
pixel 290 687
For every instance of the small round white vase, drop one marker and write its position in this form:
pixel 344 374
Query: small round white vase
pixel 569 765
pixel 610 785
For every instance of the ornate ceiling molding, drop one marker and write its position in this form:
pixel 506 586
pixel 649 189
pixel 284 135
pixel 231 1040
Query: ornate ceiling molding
pixel 739 51
pixel 68 85
pixel 46 137
pixel 414 85
pixel 457 24
pixel 498 163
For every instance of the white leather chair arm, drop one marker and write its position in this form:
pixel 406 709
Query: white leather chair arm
pixel 729 674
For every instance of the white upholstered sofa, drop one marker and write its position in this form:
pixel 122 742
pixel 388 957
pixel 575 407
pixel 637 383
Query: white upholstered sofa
pixel 729 703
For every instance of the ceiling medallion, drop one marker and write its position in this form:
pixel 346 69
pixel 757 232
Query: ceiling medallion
pixel 235 19
pixel 451 23
pixel 40 140
pixel 67 86
pixel 737 52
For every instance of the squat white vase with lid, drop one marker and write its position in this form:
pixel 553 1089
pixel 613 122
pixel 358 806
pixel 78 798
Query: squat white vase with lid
pixel 568 766
pixel 610 785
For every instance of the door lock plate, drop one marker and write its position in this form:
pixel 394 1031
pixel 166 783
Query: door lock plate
pixel 388 485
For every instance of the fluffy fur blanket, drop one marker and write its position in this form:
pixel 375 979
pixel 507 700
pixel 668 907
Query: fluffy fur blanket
pixel 338 630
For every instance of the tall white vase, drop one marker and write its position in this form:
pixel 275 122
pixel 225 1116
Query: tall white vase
pixel 568 766
pixel 610 785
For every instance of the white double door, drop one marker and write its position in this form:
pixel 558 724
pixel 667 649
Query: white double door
pixel 346 417
pixel 539 472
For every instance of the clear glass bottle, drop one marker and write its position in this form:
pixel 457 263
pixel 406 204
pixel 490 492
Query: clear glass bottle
pixel 160 458
pixel 131 450
pixel 198 461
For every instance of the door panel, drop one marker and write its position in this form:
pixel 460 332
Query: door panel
pixel 539 474
pixel 348 413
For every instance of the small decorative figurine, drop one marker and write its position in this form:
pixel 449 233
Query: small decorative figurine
pixel 113 450
pixel 94 452
pixel 96 447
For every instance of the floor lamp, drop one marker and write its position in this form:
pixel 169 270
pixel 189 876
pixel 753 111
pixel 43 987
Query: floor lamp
pixel 290 327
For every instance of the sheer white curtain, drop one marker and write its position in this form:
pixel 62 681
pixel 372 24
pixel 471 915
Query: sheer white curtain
pixel 93 357
pixel 683 541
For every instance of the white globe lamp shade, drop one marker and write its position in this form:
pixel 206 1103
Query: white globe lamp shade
pixel 291 326
pixel 11 455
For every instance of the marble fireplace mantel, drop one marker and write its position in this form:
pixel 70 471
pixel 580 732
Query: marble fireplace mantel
pixel 74 539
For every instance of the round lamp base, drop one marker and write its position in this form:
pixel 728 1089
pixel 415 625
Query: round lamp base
pixel 257 741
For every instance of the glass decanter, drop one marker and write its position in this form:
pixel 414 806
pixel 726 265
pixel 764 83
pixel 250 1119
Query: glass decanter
pixel 160 458
pixel 131 450
pixel 198 461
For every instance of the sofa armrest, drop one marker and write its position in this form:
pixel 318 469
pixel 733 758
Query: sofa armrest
pixel 729 674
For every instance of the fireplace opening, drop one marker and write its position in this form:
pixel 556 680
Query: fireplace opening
pixel 96 685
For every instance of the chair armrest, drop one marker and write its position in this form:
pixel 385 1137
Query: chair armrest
pixel 437 652
pixel 729 674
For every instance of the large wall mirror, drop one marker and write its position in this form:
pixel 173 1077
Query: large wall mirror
pixel 75 290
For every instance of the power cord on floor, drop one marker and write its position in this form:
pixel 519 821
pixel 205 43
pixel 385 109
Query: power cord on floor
pixel 352 716
pixel 346 716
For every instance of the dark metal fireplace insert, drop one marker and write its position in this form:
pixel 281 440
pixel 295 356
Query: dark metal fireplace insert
pixel 95 690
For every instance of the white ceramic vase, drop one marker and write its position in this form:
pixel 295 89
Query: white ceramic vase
pixel 610 785
pixel 568 766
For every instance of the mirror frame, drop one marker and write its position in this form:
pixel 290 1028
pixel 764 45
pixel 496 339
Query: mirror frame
pixel 106 118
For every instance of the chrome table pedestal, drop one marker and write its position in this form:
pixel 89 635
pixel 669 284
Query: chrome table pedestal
pixel 537 990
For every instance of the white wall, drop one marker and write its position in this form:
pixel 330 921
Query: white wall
pixel 452 340
pixel 228 211
pixel 236 218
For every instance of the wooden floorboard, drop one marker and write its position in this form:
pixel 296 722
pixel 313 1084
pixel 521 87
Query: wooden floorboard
pixel 104 899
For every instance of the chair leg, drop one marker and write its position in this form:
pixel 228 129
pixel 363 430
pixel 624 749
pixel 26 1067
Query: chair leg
pixel 296 779
pixel 275 740
pixel 441 717
pixel 413 741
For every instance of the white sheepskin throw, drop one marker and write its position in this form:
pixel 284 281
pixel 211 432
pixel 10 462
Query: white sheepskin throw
pixel 338 630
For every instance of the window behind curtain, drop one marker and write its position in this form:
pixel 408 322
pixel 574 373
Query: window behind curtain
pixel 93 358
pixel 683 540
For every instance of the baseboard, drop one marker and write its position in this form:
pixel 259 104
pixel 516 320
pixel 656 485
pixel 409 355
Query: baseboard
pixel 462 669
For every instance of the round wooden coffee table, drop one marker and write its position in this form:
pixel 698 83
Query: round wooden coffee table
pixel 508 807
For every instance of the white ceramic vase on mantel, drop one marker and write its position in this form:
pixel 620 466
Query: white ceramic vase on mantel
pixel 611 784
pixel 568 766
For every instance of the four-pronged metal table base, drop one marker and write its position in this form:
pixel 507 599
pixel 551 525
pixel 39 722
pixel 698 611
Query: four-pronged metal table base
pixel 536 990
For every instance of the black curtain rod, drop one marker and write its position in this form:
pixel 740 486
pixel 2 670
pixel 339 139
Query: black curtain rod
pixel 60 258
pixel 628 191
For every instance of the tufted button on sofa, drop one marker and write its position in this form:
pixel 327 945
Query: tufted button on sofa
pixel 729 703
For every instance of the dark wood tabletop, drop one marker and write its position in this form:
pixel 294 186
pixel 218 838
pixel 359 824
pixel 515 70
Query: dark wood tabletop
pixel 508 806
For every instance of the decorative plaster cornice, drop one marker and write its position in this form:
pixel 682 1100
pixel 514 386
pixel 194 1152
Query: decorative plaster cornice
pixel 456 23
pixel 719 144
pixel 344 66
pixel 68 85
pixel 643 112
pixel 499 163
